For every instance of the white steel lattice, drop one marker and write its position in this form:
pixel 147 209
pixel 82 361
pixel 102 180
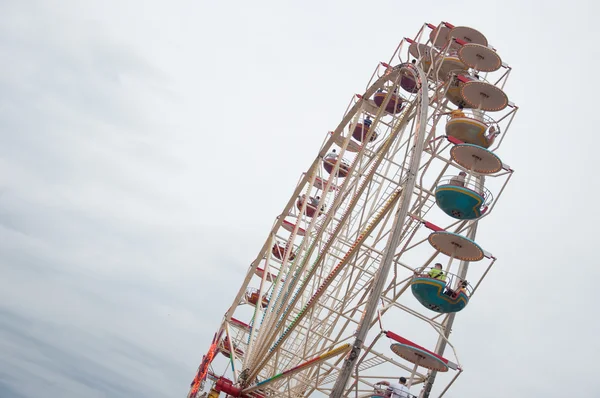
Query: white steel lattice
pixel 320 286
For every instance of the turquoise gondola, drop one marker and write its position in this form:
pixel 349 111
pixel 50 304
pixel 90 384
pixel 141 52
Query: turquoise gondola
pixel 459 202
pixel 430 292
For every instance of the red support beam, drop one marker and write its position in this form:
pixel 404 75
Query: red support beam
pixel 432 226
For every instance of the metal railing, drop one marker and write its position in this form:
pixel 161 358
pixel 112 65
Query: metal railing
pixel 453 281
pixel 481 117
pixel 312 204
pixel 332 159
pixel 254 293
pixel 382 389
pixel 367 129
pixel 392 87
pixel 468 183
pixel 473 78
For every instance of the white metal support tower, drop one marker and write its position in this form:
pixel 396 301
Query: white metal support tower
pixel 345 294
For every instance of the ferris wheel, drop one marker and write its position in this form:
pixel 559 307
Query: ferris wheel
pixel 361 276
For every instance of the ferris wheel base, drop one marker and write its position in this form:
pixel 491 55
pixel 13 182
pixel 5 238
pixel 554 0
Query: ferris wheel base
pixel 225 385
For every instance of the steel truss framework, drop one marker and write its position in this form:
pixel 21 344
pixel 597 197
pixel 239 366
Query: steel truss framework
pixel 316 293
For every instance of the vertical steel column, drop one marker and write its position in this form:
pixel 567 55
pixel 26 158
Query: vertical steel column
pixel 393 241
pixel 441 344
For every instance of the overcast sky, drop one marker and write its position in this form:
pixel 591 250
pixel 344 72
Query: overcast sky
pixel 145 147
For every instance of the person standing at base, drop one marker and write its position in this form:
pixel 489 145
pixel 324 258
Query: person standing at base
pixel 399 390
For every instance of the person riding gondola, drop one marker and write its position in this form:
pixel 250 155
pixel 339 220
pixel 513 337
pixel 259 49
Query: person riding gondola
pixel 399 390
pixel 437 273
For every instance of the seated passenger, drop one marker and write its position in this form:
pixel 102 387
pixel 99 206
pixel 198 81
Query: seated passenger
pixel 331 155
pixel 458 112
pixel 459 180
pixel 462 288
pixel 437 273
pixel 399 390
pixel 315 201
pixel 491 135
pixel 367 122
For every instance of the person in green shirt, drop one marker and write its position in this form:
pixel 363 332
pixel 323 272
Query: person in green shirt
pixel 437 273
